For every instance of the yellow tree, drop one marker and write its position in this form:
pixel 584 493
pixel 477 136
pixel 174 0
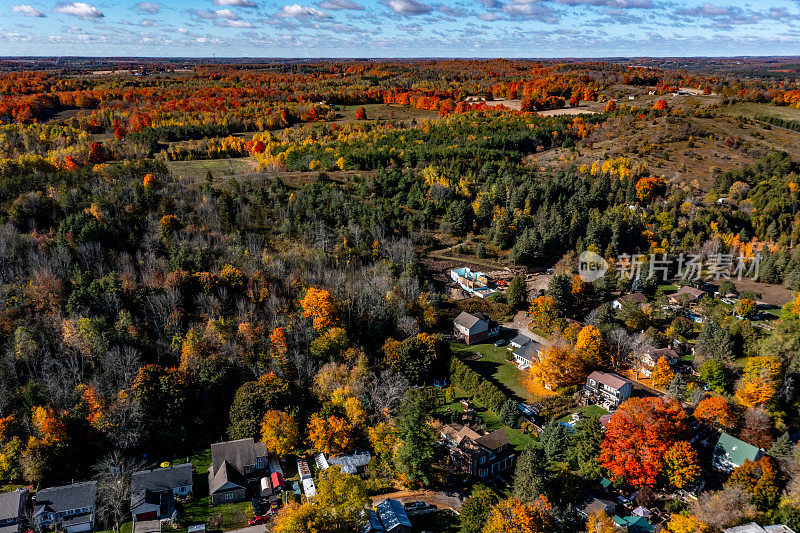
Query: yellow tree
pixel 514 516
pixel 543 311
pixel 589 346
pixel 662 374
pixel 600 522
pixel 341 499
pixel 681 465
pixel 558 366
pixel 679 523
pixel 279 432
pixel 391 353
pixel 760 381
pixel 294 518
pixel 319 305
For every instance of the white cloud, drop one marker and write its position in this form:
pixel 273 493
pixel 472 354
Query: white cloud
pixel 149 23
pixel 619 4
pixel 335 5
pixel 298 11
pixel 233 24
pixel 28 11
pixel 530 12
pixel 218 14
pixel 79 9
pixel 148 7
pixel 182 30
pixel 237 3
pixel 407 7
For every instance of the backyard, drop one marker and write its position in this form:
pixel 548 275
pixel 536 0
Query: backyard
pixel 494 367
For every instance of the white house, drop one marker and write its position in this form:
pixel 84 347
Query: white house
pixel 609 388
pixel 69 508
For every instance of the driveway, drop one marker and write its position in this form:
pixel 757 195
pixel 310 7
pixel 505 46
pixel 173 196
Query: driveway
pixel 449 499
pixel 249 529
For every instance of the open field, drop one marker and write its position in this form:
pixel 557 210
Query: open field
pixel 195 171
pixel 751 110
pixel 390 112
pixel 494 367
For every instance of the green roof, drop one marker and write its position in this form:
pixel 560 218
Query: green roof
pixel 735 450
pixel 635 524
pixel 605 482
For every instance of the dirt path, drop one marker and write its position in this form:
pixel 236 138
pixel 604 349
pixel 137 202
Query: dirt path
pixel 452 500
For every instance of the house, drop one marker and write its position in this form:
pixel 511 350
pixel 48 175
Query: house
pixel 482 455
pixel 606 387
pixel 528 354
pixel 752 527
pixel 594 505
pixel 690 294
pixel 69 508
pixel 303 470
pixel 473 328
pixel 636 298
pixel 730 453
pixel 153 491
pixel 233 464
pixel 309 489
pixel 518 342
pixel 475 283
pixel 389 517
pixel 12 510
pixel 349 464
pixel 635 524
pixel 652 354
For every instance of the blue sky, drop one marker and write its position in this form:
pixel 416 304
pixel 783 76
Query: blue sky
pixel 400 28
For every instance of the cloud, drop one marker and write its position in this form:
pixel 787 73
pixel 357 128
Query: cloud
pixel 531 12
pixel 452 11
pixel 182 30
pixel 235 3
pixel 80 10
pixel 335 5
pixel 298 11
pixel 618 4
pixel 708 10
pixel 149 23
pixel 407 7
pixel 218 14
pixel 27 11
pixel 490 17
pixel 148 7
pixel 233 24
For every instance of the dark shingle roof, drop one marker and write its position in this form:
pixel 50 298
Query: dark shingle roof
pixel 11 503
pixel 468 320
pixel 159 480
pixel 226 473
pixel 493 440
pixel 237 453
pixel 65 498
pixel 392 514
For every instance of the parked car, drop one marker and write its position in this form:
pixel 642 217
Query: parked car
pixel 258 520
pixel 501 342
pixel 416 506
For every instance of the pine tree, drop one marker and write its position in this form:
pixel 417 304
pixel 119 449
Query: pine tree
pixel 531 475
pixel 516 294
pixel 509 414
pixel 555 440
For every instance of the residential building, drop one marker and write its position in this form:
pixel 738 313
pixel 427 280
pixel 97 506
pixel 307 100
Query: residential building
pixel 651 355
pixel 12 510
pixel 608 388
pixel 473 328
pixel 634 524
pixel 233 464
pixel 475 283
pixel 354 463
pixel 482 455
pixel 528 354
pixel 519 341
pixel 752 527
pixel 389 516
pixel 730 453
pixel 686 293
pixel 69 508
pixel 153 491
pixel 594 505
pixel 635 298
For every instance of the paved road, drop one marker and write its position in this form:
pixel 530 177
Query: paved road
pixel 249 529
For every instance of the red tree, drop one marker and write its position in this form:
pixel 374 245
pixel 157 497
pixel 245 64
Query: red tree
pixel 361 114
pixel 637 437
pixel 96 153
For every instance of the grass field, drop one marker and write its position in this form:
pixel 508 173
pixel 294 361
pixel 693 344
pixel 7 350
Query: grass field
pixel 385 112
pixel 495 368
pixel 587 411
pixel 196 171
pixel 750 109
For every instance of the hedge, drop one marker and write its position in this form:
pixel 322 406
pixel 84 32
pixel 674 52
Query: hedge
pixel 475 385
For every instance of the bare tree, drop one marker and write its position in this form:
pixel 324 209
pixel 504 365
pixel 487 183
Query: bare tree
pixel 113 474
pixel 386 391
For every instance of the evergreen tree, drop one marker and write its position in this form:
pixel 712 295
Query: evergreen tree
pixel 560 290
pixel 414 456
pixel 475 510
pixel 509 414
pixel 531 475
pixel 555 440
pixel 517 292
pixel 585 447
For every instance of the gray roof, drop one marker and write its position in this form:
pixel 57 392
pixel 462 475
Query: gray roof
pixel 528 351
pixel 468 320
pixel 521 340
pixel 610 380
pixel 159 480
pixel 238 453
pixel 66 497
pixel 226 473
pixel 392 514
pixel 350 463
pixel 11 503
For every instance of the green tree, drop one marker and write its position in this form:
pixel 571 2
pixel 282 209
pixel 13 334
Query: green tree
pixel 555 439
pixel 475 510
pixel 414 456
pixel 585 447
pixel 251 403
pixel 712 373
pixel 560 290
pixel 460 215
pixel 509 413
pixel 531 475
pixel 517 292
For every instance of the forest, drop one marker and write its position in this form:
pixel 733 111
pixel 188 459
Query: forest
pixel 236 250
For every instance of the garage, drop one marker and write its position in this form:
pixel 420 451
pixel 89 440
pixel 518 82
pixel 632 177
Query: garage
pixel 149 515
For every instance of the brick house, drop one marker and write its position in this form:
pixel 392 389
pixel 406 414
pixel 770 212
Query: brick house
pixel 482 455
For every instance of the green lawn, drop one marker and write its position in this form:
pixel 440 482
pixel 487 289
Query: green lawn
pixel 196 171
pixel 444 521
pixel 125 527
pixel 587 411
pixel 221 517
pixel 494 367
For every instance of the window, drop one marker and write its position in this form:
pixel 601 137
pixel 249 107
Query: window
pixel 482 472
pixel 228 495
pixel 483 459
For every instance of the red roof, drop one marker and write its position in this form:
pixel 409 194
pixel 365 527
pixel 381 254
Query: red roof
pixel 277 480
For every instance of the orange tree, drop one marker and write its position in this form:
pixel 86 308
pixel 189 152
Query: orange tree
pixel 513 515
pixel 760 480
pixel 637 437
pixel 279 432
pixel 716 411
pixel 662 374
pixel 680 464
pixel 319 305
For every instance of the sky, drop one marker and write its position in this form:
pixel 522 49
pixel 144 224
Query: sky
pixel 400 28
